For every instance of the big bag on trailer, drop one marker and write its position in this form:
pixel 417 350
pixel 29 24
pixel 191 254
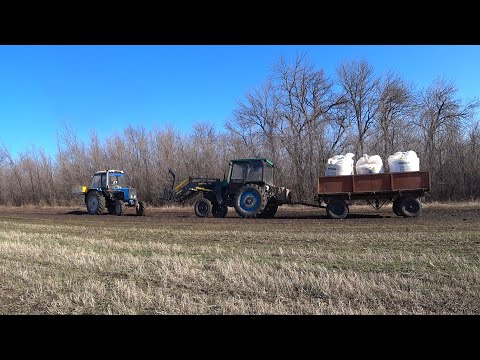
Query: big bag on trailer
pixel 404 161
pixel 340 165
pixel 369 165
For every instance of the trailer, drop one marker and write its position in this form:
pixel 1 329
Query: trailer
pixel 403 189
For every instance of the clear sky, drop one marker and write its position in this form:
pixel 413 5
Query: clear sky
pixel 107 88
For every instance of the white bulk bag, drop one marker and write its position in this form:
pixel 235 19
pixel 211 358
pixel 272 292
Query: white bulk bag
pixel 340 165
pixel 404 161
pixel 369 165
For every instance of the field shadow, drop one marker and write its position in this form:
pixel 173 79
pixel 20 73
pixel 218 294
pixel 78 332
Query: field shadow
pixel 366 216
pixel 77 212
pixel 80 212
pixel 324 217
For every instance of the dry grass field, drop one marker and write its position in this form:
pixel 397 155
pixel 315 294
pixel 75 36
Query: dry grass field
pixel 64 261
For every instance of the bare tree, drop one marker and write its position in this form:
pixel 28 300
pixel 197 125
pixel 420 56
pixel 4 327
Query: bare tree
pixel 96 153
pixel 307 106
pixel 359 85
pixel 394 113
pixel 440 110
pixel 17 182
pixel 117 152
pixel 47 176
pixel 299 118
pixel 472 158
pixel 138 140
pixel 73 165
pixel 256 121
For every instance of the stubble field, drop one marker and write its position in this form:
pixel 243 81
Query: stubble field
pixel 64 261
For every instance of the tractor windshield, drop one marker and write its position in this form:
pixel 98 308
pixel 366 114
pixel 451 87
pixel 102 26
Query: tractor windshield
pixel 117 180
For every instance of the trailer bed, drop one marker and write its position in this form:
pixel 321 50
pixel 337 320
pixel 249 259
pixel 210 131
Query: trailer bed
pixel 374 184
pixel 403 189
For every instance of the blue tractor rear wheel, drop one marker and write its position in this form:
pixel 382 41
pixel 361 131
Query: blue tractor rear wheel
pixel 96 203
pixel 250 201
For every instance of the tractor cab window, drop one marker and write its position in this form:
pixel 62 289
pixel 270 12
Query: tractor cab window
pixel 117 180
pixel 96 181
pixel 268 173
pixel 238 172
pixel 99 181
pixel 254 172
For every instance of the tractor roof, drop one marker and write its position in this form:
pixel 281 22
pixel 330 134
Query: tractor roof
pixel 110 171
pixel 268 161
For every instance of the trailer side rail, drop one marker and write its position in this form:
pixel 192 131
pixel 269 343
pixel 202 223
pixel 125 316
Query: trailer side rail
pixel 374 183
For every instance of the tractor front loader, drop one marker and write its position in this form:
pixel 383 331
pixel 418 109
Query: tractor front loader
pixel 209 188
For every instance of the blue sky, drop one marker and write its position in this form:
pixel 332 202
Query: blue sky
pixel 106 88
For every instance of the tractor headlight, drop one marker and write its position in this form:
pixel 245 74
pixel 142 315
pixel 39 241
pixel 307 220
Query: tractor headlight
pixel 133 193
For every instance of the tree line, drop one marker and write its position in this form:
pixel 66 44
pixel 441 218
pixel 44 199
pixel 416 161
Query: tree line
pixel 299 117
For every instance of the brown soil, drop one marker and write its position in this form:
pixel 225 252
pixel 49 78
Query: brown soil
pixel 441 214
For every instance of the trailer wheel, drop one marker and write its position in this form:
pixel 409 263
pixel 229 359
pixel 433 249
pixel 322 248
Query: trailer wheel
pixel 203 207
pixel 410 207
pixel 337 209
pixel 396 207
pixel 95 203
pixel 141 208
pixel 269 211
pixel 219 211
pixel 250 201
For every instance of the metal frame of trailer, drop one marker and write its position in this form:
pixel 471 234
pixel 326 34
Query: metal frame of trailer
pixel 403 189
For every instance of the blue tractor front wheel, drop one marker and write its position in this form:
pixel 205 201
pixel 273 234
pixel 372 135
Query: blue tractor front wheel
pixel 140 209
pixel 119 207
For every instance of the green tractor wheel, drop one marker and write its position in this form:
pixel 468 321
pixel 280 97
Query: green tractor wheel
pixel 219 211
pixel 269 211
pixel 203 207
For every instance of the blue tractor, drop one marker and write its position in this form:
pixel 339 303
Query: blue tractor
pixel 109 191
